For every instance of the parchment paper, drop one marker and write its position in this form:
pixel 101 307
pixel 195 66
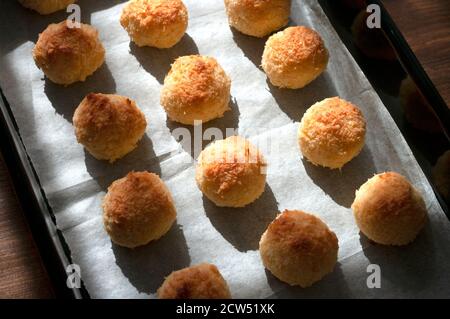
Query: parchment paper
pixel 75 183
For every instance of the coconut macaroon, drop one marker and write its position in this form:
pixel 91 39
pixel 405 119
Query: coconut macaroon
pixel 46 6
pixel 108 125
pixel 441 175
pixel 137 209
pixel 389 210
pixel 294 57
pixel 231 172
pixel 196 88
pixel 68 54
pixel 371 41
pixel 298 248
pixel 202 281
pixel 417 110
pixel 258 18
pixel 332 132
pixel 155 23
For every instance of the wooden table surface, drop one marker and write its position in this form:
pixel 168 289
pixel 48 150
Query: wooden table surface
pixel 22 274
pixel 425 25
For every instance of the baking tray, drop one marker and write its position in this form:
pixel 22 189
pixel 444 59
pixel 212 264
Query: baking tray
pixel 55 253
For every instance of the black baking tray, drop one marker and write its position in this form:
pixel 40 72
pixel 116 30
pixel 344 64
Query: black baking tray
pixel 50 242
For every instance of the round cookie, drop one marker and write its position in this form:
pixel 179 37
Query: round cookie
pixel 67 55
pixel 202 281
pixel 258 18
pixel 389 210
pixel 108 125
pixel 155 23
pixel 372 42
pixel 416 109
pixel 138 209
pixel 298 248
pixel 294 57
pixel 46 6
pixel 231 172
pixel 441 175
pixel 196 89
pixel 332 132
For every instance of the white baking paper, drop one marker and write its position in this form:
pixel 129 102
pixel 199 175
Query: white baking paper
pixel 75 182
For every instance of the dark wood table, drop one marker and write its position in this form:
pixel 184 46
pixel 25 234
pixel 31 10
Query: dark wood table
pixel 22 274
pixel 425 25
